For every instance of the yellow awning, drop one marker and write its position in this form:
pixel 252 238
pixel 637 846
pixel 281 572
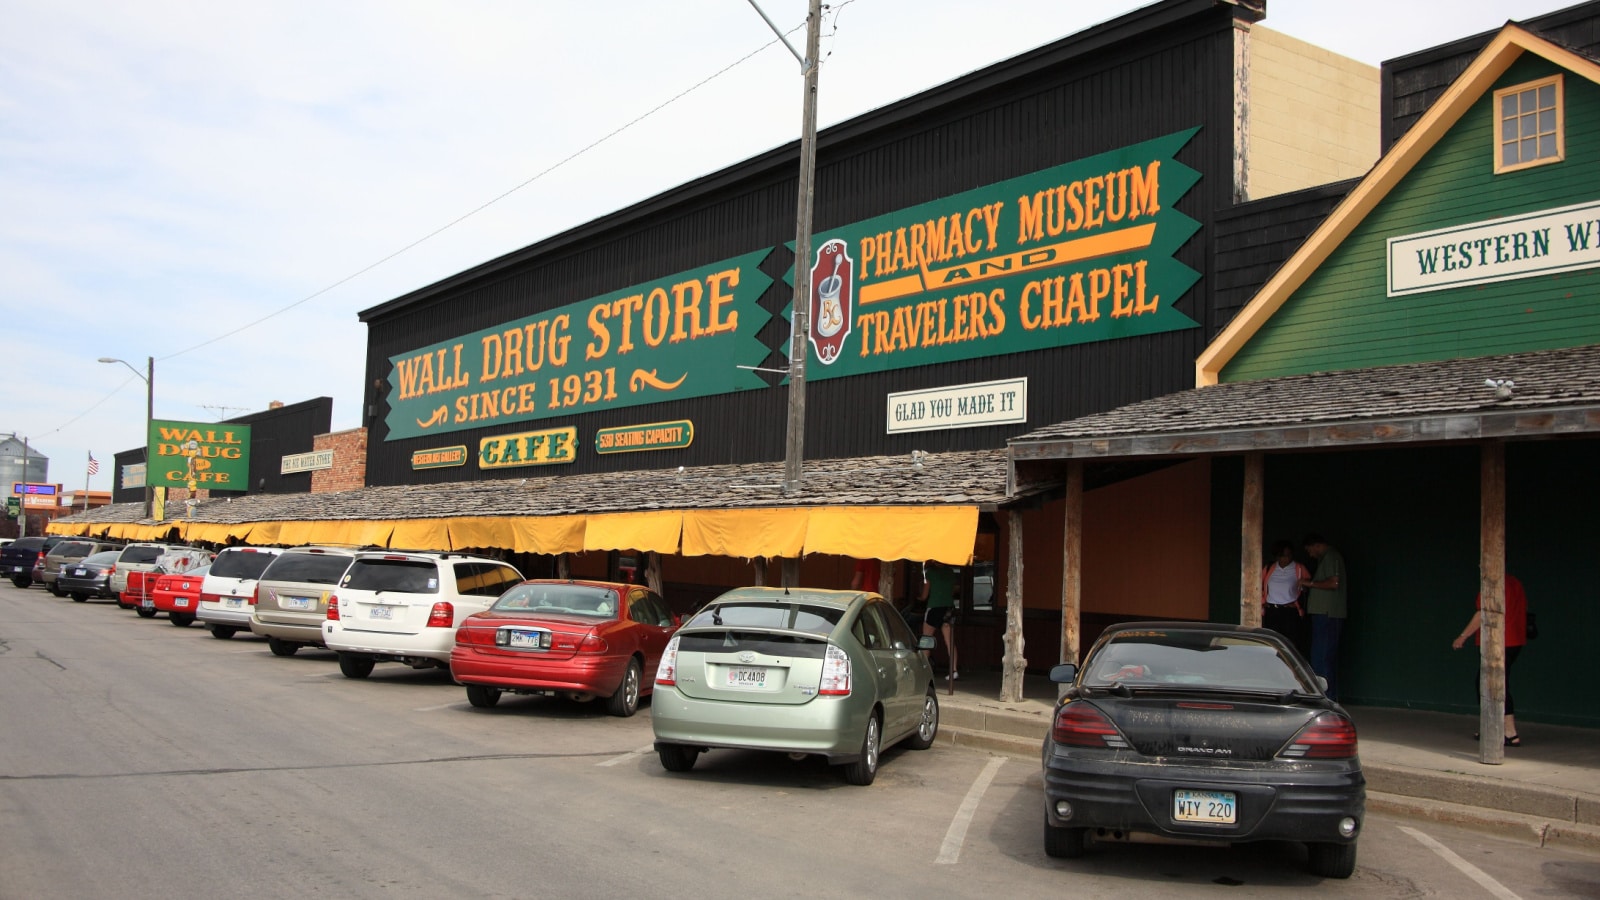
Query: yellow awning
pixel 479 532
pixel 259 534
pixel 656 531
pixel 420 534
pixel 548 534
pixel 745 532
pixel 357 533
pixel 294 534
pixel 943 533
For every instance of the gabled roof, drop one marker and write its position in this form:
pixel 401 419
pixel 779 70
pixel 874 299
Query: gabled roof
pixel 1507 47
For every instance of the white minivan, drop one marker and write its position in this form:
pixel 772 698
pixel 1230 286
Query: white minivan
pixel 229 587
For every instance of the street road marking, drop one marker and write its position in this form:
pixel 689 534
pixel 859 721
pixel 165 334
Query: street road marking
pixel 950 850
pixel 1468 869
pixel 616 760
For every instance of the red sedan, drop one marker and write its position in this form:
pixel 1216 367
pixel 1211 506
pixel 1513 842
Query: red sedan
pixel 579 639
pixel 178 593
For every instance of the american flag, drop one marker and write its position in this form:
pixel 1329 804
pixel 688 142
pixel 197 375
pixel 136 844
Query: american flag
pixel 94 464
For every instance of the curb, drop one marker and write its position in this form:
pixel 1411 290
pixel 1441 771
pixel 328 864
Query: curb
pixel 1514 826
pixel 1564 806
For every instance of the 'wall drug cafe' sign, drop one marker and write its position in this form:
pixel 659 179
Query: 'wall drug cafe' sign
pixel 1075 253
pixel 209 454
pixel 678 337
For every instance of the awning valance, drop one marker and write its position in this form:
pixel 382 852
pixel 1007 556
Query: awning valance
pixel 657 531
pixel 943 533
pixel 745 533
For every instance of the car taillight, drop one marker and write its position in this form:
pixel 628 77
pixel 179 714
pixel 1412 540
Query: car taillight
pixel 592 643
pixel 443 615
pixel 835 673
pixel 333 607
pixel 1080 724
pixel 1328 736
pixel 667 671
pixel 255 596
pixel 211 598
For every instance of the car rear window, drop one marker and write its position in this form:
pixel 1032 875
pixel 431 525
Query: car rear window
pixel 72 548
pixel 307 568
pixel 241 563
pixel 818 620
pixel 409 576
pixel 103 558
pixel 565 598
pixel 33 543
pixel 1227 661
pixel 763 642
pixel 141 555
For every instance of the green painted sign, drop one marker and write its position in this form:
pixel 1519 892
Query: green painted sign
pixel 530 448
pixel 199 455
pixel 440 457
pixel 1075 253
pixel 680 336
pixel 654 436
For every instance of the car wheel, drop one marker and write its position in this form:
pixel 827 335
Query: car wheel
pixel 482 695
pixel 676 757
pixel 928 727
pixel 281 647
pixel 22 582
pixel 1064 843
pixel 1331 860
pixel 222 632
pixel 146 612
pixel 355 666
pixel 865 769
pixel 56 590
pixel 80 596
pixel 182 620
pixel 625 702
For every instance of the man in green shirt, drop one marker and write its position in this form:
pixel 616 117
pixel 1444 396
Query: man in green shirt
pixel 1326 603
pixel 939 591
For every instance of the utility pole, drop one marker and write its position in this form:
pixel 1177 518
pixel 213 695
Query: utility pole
pixel 800 312
pixel 22 501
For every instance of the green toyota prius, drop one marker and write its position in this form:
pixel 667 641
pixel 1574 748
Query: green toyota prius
pixel 836 674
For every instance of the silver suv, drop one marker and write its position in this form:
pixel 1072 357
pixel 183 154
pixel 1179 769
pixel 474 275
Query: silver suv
pixel 405 607
pixel 291 599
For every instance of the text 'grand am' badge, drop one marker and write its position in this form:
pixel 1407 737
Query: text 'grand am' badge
pixel 832 289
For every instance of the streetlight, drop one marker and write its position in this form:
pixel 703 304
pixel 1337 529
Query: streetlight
pixel 149 377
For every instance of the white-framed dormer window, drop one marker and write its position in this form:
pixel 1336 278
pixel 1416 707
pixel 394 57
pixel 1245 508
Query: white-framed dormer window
pixel 1528 130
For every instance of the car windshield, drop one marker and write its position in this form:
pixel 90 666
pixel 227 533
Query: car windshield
pixel 141 555
pixel 1154 659
pixel 241 564
pixel 409 576
pixel 584 600
pixel 307 568
pixel 818 620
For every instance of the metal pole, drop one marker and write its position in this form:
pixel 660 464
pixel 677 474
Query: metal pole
pixel 149 420
pixel 800 313
pixel 22 499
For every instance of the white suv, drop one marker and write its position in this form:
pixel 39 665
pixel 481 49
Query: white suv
pixel 404 607
pixel 229 587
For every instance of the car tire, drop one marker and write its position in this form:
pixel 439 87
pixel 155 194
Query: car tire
pixel 145 612
pixel 22 582
pixel 1064 843
pixel 865 769
pixel 1331 860
pixel 625 701
pixel 676 757
pixel 222 632
pixel 80 596
pixel 355 666
pixel 482 696
pixel 281 647
pixel 55 589
pixel 181 620
pixel 928 726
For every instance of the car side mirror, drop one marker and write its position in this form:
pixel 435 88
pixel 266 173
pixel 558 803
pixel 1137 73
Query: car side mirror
pixel 927 642
pixel 1066 673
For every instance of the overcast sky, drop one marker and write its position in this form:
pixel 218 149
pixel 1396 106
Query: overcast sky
pixel 172 172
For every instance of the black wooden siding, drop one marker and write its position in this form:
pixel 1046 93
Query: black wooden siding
pixel 1253 240
pixel 1130 81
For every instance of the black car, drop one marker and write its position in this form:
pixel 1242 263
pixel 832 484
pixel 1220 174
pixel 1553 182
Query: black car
pixel 18 558
pixel 1201 732
pixel 90 576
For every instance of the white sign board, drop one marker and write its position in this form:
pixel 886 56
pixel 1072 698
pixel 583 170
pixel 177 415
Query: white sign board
pixel 1521 246
pixel 133 476
pixel 959 406
pixel 306 462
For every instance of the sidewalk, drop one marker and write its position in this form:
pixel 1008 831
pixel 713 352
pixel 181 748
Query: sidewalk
pixel 1421 764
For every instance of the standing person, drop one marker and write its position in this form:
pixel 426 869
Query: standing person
pixel 1516 635
pixel 1281 609
pixel 865 577
pixel 1327 606
pixel 939 592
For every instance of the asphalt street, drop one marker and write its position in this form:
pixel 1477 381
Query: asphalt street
pixel 142 760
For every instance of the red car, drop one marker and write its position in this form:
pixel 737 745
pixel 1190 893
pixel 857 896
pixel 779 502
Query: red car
pixel 178 593
pixel 579 639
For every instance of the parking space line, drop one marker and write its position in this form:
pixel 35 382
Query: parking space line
pixel 1468 869
pixel 617 760
pixel 950 850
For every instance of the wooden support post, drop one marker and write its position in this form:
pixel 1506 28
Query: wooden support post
pixel 1250 598
pixel 1492 591
pixel 886 580
pixel 563 566
pixel 652 572
pixel 791 572
pixel 1072 565
pixel 759 564
pixel 1014 663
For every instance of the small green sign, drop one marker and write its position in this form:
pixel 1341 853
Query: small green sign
pixel 529 448
pixel 13 507
pixel 440 457
pixel 206 454
pixel 655 436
